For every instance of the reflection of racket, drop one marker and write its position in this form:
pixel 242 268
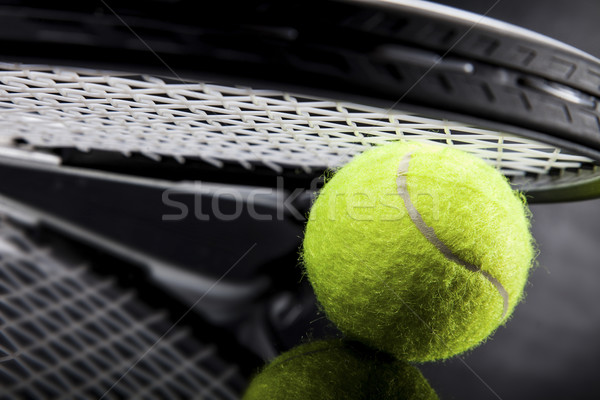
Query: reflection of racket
pixel 273 90
pixel 70 333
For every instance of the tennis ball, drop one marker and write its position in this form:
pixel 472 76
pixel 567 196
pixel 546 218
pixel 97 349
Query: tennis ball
pixel 419 250
pixel 334 369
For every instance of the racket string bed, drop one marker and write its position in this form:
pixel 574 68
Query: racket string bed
pixel 50 107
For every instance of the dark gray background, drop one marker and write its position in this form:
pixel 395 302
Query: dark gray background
pixel 550 349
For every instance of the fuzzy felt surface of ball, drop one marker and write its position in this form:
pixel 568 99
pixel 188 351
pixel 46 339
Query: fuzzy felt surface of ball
pixel 334 369
pixel 419 250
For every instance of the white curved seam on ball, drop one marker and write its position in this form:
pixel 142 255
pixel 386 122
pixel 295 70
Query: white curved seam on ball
pixel 429 233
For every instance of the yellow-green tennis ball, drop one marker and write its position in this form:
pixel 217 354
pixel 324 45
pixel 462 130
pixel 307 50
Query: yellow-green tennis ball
pixel 332 370
pixel 418 250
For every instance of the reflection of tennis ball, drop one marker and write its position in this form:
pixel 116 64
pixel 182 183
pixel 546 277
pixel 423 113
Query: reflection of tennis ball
pixel 332 369
pixel 418 250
